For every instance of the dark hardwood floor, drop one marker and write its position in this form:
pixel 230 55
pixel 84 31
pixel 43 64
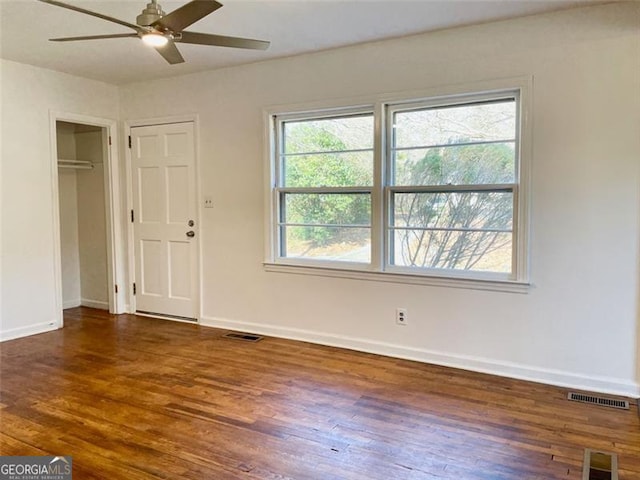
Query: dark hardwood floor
pixel 137 398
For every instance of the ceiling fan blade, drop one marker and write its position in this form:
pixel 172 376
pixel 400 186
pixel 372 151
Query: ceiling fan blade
pixel 94 14
pixel 222 41
pixel 186 15
pixel 170 53
pixel 95 37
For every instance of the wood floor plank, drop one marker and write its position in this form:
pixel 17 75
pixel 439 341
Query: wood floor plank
pixel 135 398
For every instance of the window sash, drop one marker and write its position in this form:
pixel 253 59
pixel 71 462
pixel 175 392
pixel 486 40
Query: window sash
pixel 486 98
pixel 281 225
pixel 390 229
pixel 279 122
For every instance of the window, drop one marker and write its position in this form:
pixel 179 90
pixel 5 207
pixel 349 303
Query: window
pixel 324 189
pixel 451 186
pixel 434 191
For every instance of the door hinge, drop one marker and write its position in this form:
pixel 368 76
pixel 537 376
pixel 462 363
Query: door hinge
pixel 134 288
pixel 116 288
pixel 109 139
pixel 132 216
pixel 129 141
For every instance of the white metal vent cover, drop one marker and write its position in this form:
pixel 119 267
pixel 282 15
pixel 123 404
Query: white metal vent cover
pixel 595 400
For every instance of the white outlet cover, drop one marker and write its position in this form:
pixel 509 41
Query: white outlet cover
pixel 401 316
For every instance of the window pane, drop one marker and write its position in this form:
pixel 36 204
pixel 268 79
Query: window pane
pixel 456 124
pixel 327 243
pixel 456 165
pixel 477 251
pixel 328 135
pixel 327 208
pixel 458 210
pixel 352 169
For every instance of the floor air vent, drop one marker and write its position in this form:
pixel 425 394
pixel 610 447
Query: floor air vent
pixel 247 337
pixel 602 401
pixel 599 465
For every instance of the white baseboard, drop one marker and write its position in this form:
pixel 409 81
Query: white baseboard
pixel 87 302
pixel 71 303
pixel 591 383
pixel 34 329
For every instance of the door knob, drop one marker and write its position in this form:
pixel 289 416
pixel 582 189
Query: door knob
pixel 191 234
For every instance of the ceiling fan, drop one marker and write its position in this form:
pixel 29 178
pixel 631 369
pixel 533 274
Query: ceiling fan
pixel 162 31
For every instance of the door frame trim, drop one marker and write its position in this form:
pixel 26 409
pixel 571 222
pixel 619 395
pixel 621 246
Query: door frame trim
pixel 113 213
pixel 131 261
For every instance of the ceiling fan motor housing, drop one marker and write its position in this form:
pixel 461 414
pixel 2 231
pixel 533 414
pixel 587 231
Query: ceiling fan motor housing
pixel 152 13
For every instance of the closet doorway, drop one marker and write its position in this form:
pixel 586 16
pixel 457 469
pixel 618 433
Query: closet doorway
pixel 87 222
pixel 83 235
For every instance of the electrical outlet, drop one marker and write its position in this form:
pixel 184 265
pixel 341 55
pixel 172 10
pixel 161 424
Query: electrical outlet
pixel 208 201
pixel 401 316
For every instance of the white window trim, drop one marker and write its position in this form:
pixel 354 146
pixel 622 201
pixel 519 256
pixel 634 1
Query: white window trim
pixel 376 270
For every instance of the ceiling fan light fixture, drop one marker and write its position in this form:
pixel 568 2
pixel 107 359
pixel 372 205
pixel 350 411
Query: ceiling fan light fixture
pixel 155 39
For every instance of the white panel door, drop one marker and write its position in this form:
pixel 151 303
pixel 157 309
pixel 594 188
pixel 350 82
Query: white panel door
pixel 164 230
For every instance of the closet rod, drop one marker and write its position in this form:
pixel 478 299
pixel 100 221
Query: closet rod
pixel 79 162
pixel 76 167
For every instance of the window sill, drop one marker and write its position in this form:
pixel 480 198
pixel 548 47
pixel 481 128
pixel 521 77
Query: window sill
pixel 429 280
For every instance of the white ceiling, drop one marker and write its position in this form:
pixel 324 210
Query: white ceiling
pixel 292 26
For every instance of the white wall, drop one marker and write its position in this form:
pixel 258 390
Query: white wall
pixel 91 222
pixel 28 95
pixel 578 325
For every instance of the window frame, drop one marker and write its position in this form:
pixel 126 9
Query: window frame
pixel 383 107
pixel 390 188
pixel 279 190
